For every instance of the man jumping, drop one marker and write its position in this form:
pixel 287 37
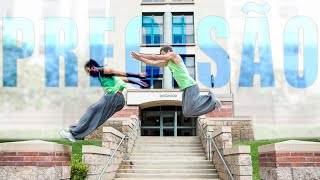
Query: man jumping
pixel 193 104
pixel 112 102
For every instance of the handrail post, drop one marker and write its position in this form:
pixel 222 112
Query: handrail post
pixel 209 148
pixel 209 141
pixel 126 147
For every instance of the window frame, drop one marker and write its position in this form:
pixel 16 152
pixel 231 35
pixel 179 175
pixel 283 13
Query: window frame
pixel 153 25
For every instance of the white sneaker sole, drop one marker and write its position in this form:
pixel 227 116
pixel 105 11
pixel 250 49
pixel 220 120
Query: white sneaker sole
pixel 61 132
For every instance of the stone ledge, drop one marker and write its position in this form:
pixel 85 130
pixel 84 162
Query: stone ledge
pixel 113 131
pixel 220 130
pixel 134 117
pixel 237 150
pixel 34 146
pixel 89 149
pixel 291 146
pixel 210 120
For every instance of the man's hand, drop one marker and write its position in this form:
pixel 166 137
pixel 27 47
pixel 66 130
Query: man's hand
pixel 143 75
pixel 143 84
pixel 136 56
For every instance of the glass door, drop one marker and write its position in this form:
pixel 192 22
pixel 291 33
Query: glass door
pixel 168 123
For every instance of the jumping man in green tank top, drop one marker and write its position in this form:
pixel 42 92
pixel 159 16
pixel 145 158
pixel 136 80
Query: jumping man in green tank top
pixel 193 104
pixel 113 83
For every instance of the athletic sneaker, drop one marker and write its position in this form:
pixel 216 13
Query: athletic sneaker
pixel 218 105
pixel 67 135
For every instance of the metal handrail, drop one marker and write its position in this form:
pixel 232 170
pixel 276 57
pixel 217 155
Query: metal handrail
pixel 209 140
pixel 114 152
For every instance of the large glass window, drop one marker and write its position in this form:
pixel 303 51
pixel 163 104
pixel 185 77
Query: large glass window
pixel 189 61
pixel 182 28
pixel 155 76
pixel 166 121
pixel 152 31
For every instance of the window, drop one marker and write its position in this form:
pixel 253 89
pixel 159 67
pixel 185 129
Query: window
pixel 155 76
pixel 189 61
pixel 182 28
pixel 152 29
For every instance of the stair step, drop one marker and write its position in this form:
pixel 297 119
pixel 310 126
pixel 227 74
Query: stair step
pixel 168 175
pixel 167 162
pixel 185 178
pixel 182 166
pixel 169 154
pixel 168 145
pixel 167 142
pixel 168 158
pixel 167 148
pixel 155 150
pixel 169 137
pixel 147 171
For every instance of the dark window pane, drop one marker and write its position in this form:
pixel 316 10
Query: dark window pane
pixel 150 132
pixel 177 39
pixel 175 84
pixel 168 132
pixel 168 121
pixel 157 84
pixel 186 132
pixel 157 39
pixel 148 40
pixel 151 118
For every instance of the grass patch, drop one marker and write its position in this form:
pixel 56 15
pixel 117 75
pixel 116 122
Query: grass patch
pixel 254 151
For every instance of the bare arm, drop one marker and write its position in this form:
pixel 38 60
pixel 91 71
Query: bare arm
pixel 135 81
pixel 108 70
pixel 158 63
pixel 156 57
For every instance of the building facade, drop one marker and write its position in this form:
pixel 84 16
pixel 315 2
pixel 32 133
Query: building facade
pixel 175 23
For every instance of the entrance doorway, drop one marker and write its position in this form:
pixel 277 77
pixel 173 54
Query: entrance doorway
pixel 166 121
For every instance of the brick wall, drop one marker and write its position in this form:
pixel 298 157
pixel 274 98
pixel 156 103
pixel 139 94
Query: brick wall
pixel 241 127
pixel 126 112
pixel 290 160
pixel 226 111
pixel 34 160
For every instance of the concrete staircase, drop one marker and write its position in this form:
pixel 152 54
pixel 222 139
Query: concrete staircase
pixel 167 158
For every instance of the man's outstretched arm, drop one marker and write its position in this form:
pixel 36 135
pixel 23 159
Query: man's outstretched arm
pixel 111 71
pixel 155 57
pixel 135 81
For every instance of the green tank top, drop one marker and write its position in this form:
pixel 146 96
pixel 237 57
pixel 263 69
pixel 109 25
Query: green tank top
pixel 112 85
pixel 181 75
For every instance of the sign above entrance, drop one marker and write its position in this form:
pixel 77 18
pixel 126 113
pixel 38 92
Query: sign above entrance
pixel 139 97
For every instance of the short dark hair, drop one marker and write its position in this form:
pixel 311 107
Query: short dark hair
pixel 90 64
pixel 166 49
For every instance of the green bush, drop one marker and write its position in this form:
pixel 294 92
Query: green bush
pixel 78 170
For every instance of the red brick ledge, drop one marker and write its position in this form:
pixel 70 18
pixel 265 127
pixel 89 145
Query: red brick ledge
pixel 34 159
pixel 289 159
